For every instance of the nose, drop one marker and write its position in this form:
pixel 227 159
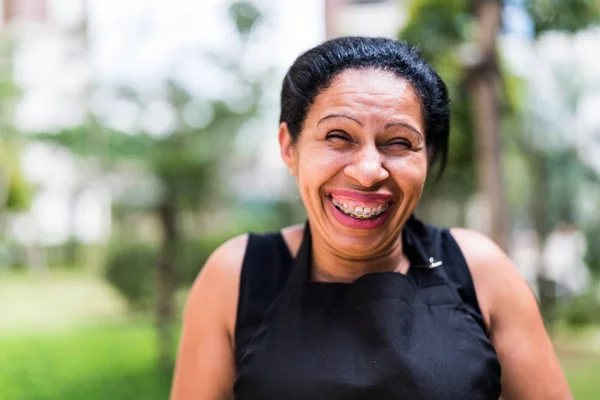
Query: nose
pixel 367 167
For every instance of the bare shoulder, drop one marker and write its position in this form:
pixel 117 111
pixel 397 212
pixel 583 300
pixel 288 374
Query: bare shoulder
pixel 495 277
pixel 483 256
pixel 217 285
pixel 530 368
pixel 227 259
pixel 478 248
pixel 292 235
pixel 205 367
pixel 225 263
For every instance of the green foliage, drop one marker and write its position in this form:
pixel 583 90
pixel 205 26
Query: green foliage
pixel 111 362
pixel 437 26
pixel 458 181
pixel 17 191
pixel 563 15
pixel 131 267
pixel 12 253
pixel 592 257
pixel 581 310
pixel 444 30
pixel 447 23
pixel 102 143
pixel 9 92
pixel 245 16
pixel 185 162
pixel 440 28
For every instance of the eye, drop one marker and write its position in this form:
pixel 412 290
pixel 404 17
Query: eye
pixel 338 135
pixel 399 143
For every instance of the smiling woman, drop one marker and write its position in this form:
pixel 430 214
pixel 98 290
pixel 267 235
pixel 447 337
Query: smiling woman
pixel 364 301
pixel 362 145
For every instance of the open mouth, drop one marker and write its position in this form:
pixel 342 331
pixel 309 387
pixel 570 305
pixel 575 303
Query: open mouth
pixel 360 212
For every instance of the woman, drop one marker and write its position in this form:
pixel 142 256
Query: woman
pixel 364 301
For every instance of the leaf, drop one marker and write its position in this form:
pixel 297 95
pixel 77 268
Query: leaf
pixel 245 16
pixel 437 26
pixel 563 15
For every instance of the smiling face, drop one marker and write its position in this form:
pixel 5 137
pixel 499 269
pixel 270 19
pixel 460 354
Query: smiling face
pixel 360 162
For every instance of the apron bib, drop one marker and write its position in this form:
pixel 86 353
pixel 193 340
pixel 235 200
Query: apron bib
pixel 384 336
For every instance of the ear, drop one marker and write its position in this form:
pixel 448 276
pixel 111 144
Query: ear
pixel 287 148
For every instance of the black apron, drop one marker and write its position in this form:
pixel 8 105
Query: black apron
pixel 384 336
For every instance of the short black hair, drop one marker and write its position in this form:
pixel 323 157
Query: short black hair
pixel 314 70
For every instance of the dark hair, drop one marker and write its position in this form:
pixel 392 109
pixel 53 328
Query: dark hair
pixel 314 70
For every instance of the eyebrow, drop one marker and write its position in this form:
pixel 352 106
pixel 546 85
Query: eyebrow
pixel 404 124
pixel 339 116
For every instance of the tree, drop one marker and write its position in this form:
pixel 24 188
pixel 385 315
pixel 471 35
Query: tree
pixel 185 161
pixel 483 80
pixel 460 38
pixel 15 191
pixel 470 32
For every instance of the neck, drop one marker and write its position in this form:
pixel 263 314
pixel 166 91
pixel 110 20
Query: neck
pixel 331 266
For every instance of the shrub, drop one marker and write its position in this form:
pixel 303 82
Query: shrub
pixel 592 257
pixel 582 310
pixel 130 268
pixel 192 256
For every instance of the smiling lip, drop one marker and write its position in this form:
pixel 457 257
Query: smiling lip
pixel 358 197
pixel 362 197
pixel 361 224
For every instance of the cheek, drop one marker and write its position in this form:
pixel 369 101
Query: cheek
pixel 323 157
pixel 410 173
pixel 316 167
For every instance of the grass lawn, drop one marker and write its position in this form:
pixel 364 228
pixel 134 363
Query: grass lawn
pixel 109 362
pixel 67 335
pixel 579 353
pixel 583 373
pixel 58 300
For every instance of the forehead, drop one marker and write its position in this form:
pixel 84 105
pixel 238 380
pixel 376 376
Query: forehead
pixel 368 93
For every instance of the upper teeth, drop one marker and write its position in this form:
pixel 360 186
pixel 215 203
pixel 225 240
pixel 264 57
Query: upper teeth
pixel 360 212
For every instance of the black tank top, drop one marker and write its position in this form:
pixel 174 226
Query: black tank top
pixel 384 336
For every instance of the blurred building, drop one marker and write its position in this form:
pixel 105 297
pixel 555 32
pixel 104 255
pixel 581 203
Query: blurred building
pixel 564 264
pixel 365 17
pixel 50 66
pixel 22 11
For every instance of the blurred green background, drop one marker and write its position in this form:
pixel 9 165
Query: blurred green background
pixel 137 136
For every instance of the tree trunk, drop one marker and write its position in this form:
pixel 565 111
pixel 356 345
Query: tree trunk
pixel 539 210
pixel 165 285
pixel 484 79
pixel 72 246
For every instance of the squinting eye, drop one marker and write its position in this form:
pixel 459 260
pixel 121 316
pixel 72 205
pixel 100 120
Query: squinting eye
pixel 338 135
pixel 399 143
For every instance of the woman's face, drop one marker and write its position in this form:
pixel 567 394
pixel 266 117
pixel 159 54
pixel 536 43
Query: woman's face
pixel 360 161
